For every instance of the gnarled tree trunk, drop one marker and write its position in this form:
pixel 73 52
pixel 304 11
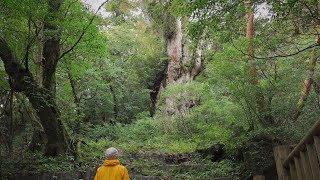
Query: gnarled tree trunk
pixel 184 63
pixel 183 66
pixel 42 99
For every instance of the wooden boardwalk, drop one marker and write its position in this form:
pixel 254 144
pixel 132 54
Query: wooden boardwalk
pixel 301 162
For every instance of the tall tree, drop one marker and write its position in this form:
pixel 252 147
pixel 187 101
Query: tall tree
pixel 22 80
pixel 184 58
pixel 46 24
pixel 51 47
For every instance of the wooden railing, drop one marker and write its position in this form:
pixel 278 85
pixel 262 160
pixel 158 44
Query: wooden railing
pixel 301 163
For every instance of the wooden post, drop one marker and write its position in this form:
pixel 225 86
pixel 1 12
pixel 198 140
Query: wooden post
pixel 280 154
pixel 298 168
pixel 306 165
pixel 259 177
pixel 293 172
pixel 317 145
pixel 314 163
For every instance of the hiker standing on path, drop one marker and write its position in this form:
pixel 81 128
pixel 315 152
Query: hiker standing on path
pixel 111 168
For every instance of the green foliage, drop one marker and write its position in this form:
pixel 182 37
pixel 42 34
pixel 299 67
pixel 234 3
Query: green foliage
pixel 4 84
pixel 103 85
pixel 34 163
pixel 163 17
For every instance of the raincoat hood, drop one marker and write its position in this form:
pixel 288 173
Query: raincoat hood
pixel 112 170
pixel 112 162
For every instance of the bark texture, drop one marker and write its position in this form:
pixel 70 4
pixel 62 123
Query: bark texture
pixel 51 48
pixel 183 66
pixel 262 107
pixel 249 36
pixel 184 62
pixel 306 87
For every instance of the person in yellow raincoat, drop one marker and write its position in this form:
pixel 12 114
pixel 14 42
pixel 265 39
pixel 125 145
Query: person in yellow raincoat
pixel 111 168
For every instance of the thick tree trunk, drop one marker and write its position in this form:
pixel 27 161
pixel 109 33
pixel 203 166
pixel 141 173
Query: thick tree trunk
pixel 47 111
pixel 174 51
pixel 40 98
pixel 184 63
pixel 306 87
pixel 183 67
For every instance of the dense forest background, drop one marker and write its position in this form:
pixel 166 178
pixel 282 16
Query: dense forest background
pixel 150 77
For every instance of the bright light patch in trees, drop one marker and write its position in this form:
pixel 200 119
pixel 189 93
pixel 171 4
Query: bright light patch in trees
pixel 263 11
pixel 94 5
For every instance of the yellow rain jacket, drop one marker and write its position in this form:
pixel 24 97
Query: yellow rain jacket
pixel 112 170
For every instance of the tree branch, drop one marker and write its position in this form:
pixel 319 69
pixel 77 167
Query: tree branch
pixel 83 32
pixel 277 56
pixel 9 59
pixel 30 41
pixel 68 8
pixel 310 11
pixel 26 57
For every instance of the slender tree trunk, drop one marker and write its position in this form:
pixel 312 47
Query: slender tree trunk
pixel 73 84
pixel 264 110
pixel 115 105
pixel 76 100
pixel 249 36
pixel 306 87
pixel 252 65
pixel 154 91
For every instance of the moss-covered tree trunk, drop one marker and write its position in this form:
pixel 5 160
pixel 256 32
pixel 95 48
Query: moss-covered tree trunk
pixel 51 47
pixel 184 64
pixel 41 97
